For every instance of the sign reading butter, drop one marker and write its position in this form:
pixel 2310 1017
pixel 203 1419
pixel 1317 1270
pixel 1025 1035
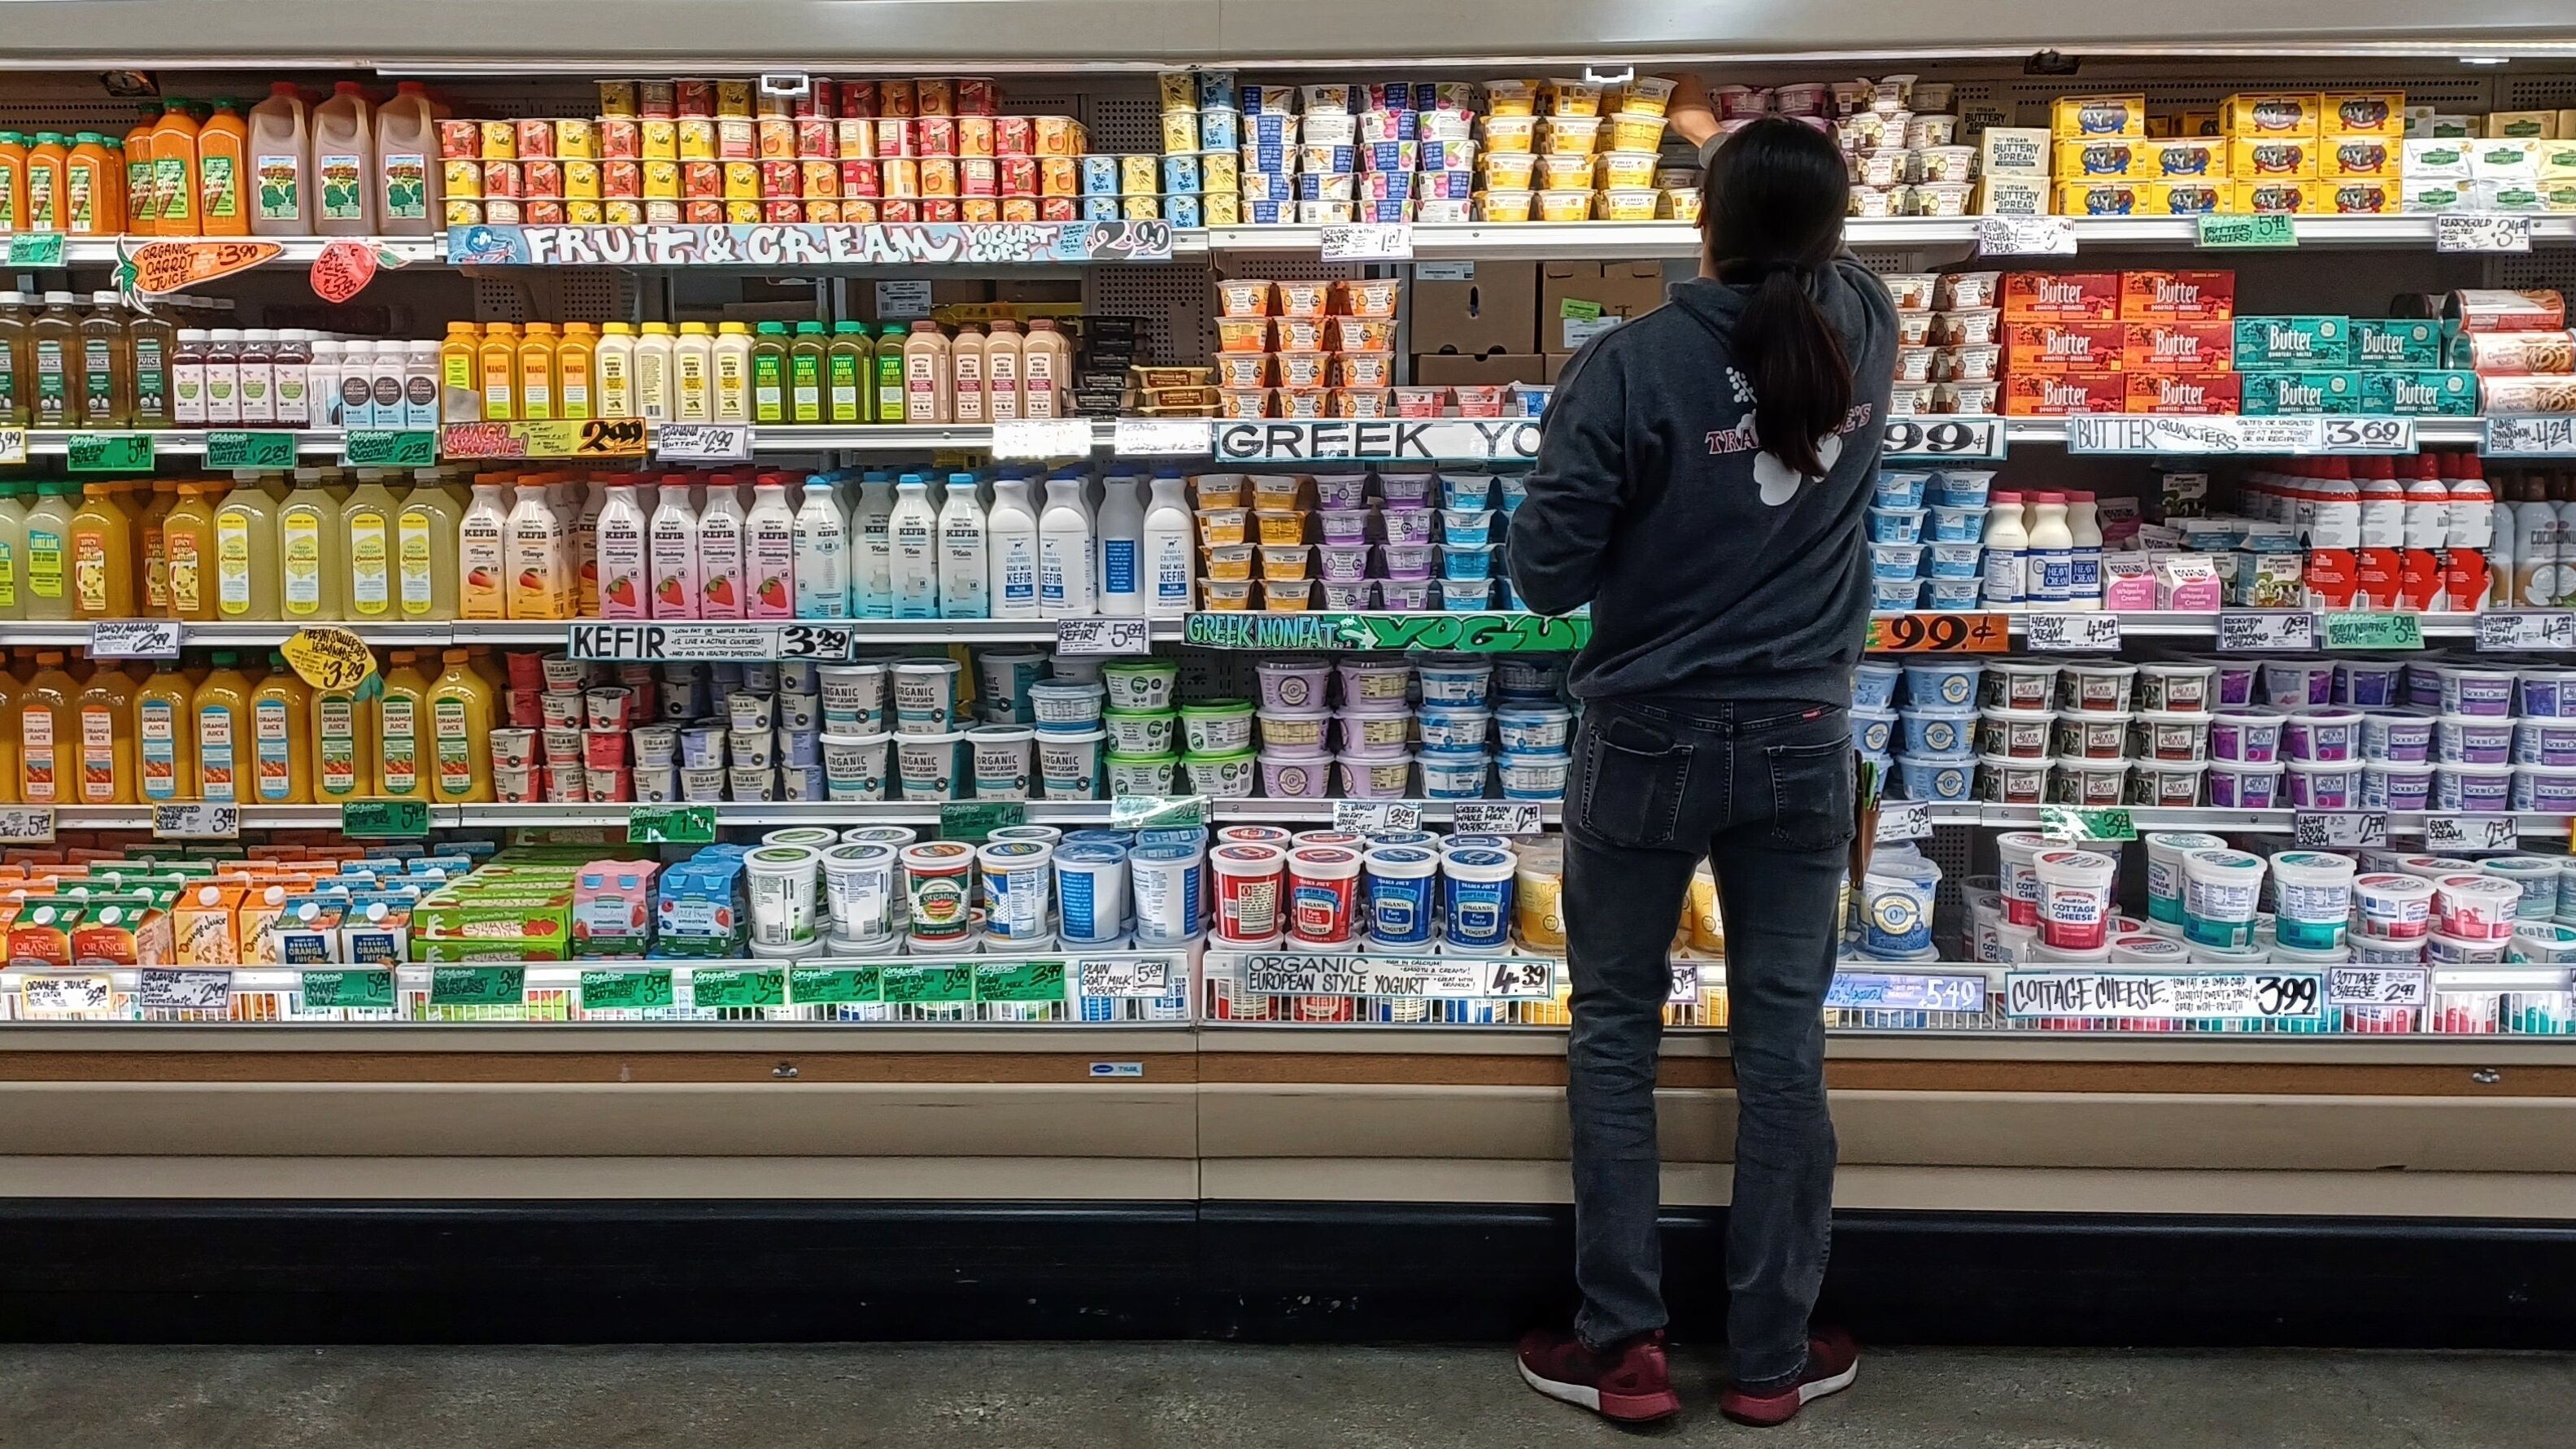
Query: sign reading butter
pixel 1394 440
pixel 811 244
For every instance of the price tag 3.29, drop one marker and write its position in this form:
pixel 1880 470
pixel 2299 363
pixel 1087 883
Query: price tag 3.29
pixel 2339 829
pixel 1103 636
pixel 2083 631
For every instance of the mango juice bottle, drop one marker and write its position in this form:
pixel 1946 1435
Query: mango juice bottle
pixel 48 734
pixel 366 548
pixel 49 552
pixel 573 357
pixel 426 526
pixel 165 737
pixel 107 757
pixel 13 550
pixel 537 372
pixel 281 708
pixel 308 537
pixel 402 731
pixel 497 365
pixel 102 556
pixel 223 170
pixel 460 374
pixel 246 576
pixel 343 747
pixel 220 709
pixel 460 729
pixel 152 547
pixel 188 553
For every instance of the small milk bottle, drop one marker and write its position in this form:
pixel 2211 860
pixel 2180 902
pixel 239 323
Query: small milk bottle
pixel 2007 572
pixel 2084 588
pixel 1169 537
pixel 720 525
pixel 913 531
pixel 624 580
pixel 2051 569
pixel 1065 584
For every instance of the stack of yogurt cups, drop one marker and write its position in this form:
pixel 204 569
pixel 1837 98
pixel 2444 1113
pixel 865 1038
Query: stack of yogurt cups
pixel 699 733
pixel 1482 721
pixel 1926 535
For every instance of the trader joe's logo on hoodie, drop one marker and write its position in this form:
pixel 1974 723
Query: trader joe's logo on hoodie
pixel 1778 481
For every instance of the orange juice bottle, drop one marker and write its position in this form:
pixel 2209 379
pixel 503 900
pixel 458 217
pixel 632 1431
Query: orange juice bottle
pixel 12 690
pixel 107 767
pixel 460 729
pixel 142 202
pixel 93 188
pixel 498 366
pixel 223 171
pixel 402 731
pixel 174 169
pixel 537 372
pixel 220 709
pixel 344 747
pixel 13 181
pixel 281 708
pixel 48 734
pixel 188 552
pixel 102 556
pixel 46 161
pixel 165 737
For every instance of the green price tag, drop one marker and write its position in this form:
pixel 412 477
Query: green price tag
pixel 1144 812
pixel 1019 981
pixel 36 249
pixel 1574 309
pixel 738 986
pixel 833 985
pixel 2221 231
pixel 385 819
pixel 477 985
pixel 671 825
pixel 389 448
pixel 614 990
pixel 2370 631
pixel 349 990
pixel 908 984
pixel 110 453
pixel 2062 822
pixel 976 820
pixel 250 450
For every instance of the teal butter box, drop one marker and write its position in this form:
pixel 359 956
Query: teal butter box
pixel 2396 342
pixel 2270 393
pixel 2291 344
pixel 2420 393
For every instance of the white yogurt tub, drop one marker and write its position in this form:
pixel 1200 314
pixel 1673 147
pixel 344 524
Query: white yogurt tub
pixel 2175 685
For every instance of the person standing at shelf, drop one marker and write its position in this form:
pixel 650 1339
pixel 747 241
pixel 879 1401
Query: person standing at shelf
pixel 1701 477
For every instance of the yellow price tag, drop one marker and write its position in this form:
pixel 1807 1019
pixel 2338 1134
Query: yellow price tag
pixel 329 658
pixel 593 438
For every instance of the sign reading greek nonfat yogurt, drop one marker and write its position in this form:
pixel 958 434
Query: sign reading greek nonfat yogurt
pixel 1379 440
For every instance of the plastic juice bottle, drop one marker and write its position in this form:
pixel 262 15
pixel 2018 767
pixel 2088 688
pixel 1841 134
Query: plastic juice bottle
pixel 13 181
pixel 142 198
pixel 17 365
pixel 1044 370
pixel 409 179
pixel 540 582
pixel 625 580
pixel 107 774
pixel 614 363
pixel 367 546
pixel 106 368
pixel 460 374
pixel 769 373
pixel 966 359
pixel 46 162
pixel 48 734
pixel 498 356
pixel 733 372
pixel 344 158
pixel 53 341
pixel 424 554
pixel 223 171
pixel 849 368
pixel 49 552
pixel 102 557
pixel 343 746
pixel 656 390
pixel 574 356
pixel 537 372
pixel 281 164
pixel 669 539
pixel 152 548
pixel 889 374
pixel 11 689
pixel 165 736
pixel 281 709
pixel 150 344
pixel 174 170
pixel 693 363
pixel 93 186
pixel 460 730
pixel 188 553
pixel 308 534
pixel 402 725
pixel 483 562
pixel 927 380
pixel 805 374
pixel 1005 359
pixel 246 569
pixel 13 550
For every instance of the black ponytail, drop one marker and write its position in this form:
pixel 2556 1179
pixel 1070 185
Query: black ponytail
pixel 1773 205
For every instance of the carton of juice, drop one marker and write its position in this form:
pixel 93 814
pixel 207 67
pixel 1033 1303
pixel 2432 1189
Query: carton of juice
pixel 308 931
pixel 123 930
pixel 375 929
pixel 202 926
pixel 42 933
pixel 257 921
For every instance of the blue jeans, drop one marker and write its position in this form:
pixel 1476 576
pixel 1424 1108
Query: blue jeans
pixel 1764 791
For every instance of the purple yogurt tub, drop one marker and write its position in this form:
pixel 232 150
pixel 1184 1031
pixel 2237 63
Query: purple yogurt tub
pixel 2547 693
pixel 1359 595
pixel 2460 739
pixel 1342 563
pixel 2476 690
pixel 1405 490
pixel 2322 736
pixel 2244 786
pixel 2387 785
pixel 1374 779
pixel 2542 741
pixel 2245 736
pixel 2549 788
pixel 2424 685
pixel 1408 560
pixel 2324 784
pixel 2398 736
pixel 1341 490
pixel 1407 525
pixel 1345 525
pixel 1375 736
pixel 1405 595
pixel 2292 683
pixel 2367 683
pixel 1296 774
pixel 2233 686
pixel 2478 789
pixel 1291 685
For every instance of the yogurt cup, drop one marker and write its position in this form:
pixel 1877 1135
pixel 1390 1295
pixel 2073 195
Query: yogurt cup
pixel 2076 734
pixel 2536 876
pixel 2322 736
pixel 1374 736
pixel 2169 735
pixel 2006 780
pixel 2312 899
pixel 2169 784
pixel 1228 776
pixel 2475 690
pixel 1896 903
pixel 2389 785
pixel 1947 732
pixel 1141 732
pixel 2165 850
pixel 2324 784
pixel 1371 686
pixel 2175 686
pixel 2025 684
pixel 2297 683
pixel 930 767
pixel 1453 774
pixel 1069 764
pixel 1936 777
pixel 1217 727
pixel 2220 891
pixel 925 695
pixel 1002 679
pixel 998 758
pixel 2460 739
pixel 1941 684
pixel 2246 785
pixel 1452 729
pixel 1377 778
pixel 1455 681
pixel 1532 776
pixel 2474 789
pixel 2397 735
pixel 1298 774
pixel 1140 684
pixel 1066 705
pixel 2475 907
pixel 2367 683
pixel 1292 684
pixel 2549 789
pixel 1533 729
pixel 2101 688
pixel 2092 784
pixel 1141 774
pixel 2394 907
pixel 1873 730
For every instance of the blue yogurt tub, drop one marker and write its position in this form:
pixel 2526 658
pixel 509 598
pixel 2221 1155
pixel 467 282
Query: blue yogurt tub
pixel 1936 779
pixel 1941 684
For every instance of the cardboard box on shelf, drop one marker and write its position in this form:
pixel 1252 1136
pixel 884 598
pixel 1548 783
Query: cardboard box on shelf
pixel 1492 306
pixel 1556 362
pixel 1451 369
pixel 1599 291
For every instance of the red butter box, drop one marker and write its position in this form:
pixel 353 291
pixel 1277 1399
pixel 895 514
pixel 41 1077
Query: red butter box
pixel 2061 296
pixel 2062 346
pixel 2177 296
pixel 2059 394
pixel 2194 393
pixel 2160 346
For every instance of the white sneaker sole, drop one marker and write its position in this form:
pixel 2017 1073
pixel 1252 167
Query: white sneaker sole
pixel 1809 1393
pixel 1582 1396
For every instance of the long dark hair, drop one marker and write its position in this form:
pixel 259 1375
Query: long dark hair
pixel 1773 204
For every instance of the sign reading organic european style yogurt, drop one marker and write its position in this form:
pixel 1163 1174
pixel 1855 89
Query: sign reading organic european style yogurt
pixel 792 244
pixel 1269 975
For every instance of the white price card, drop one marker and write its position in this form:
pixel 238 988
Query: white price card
pixel 1905 991
pixel 2025 236
pixel 1128 976
pixel 196 820
pixel 2180 995
pixel 2241 630
pixel 1904 820
pixel 2527 629
pixel 2085 631
pixel 134 639
pixel 66 995
pixel 1685 983
pixel 2450 834
pixel 1368 242
pixel 1103 636
pixel 1936 437
pixel 2481 231
pixel 2525 435
pixel 1444 271
pixel 690 643
pixel 789 83
pixel 2378 986
pixel 1495 817
pixel 2366 435
pixel 1160 438
pixel 816 641
pixel 1526 976
pixel 171 990
pixel 26 824
pixel 2339 829
pixel 703 442
pixel 2152 434
pixel 1376 817
pixel 1042 438
pixel 903 300
pixel 13 445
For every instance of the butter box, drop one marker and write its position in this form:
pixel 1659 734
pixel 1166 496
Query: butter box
pixel 2072 117
pixel 2454 127
pixel 2363 113
pixel 2558 158
pixel 2339 157
pixel 2271 113
pixel 2011 196
pixel 2186 156
pixel 2059 394
pixel 2292 198
pixel 2426 156
pixel 2014 151
pixel 2505 160
pixel 2523 125
pixel 2061 346
pixel 2269 393
pixel 2157 346
pixel 2396 342
pixel 2100 198
pixel 2100 157
pixel 2061 296
pixel 2361 196
pixel 2286 344
pixel 2187 198
pixel 2273 158
pixel 2199 123
pixel 2557 193
pixel 2492 194
pixel 2419 121
pixel 2192 393
pixel 2433 193
pixel 2422 393
pixel 2197 296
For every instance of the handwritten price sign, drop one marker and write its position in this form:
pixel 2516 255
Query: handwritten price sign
pixel 329 658
pixel 163 267
pixel 343 270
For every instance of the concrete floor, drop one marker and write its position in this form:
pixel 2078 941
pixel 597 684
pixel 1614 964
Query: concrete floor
pixel 1216 1396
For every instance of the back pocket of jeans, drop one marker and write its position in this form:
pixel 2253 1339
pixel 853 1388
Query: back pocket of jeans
pixel 1811 794
pixel 1632 785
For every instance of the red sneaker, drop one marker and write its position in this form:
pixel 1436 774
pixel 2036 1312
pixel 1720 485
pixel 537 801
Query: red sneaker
pixel 1630 1383
pixel 1833 1361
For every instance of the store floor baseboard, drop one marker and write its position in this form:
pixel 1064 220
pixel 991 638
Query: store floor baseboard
pixel 315 1272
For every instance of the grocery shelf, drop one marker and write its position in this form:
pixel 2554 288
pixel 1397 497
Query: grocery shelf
pixel 2212 818
pixel 75 633
pixel 253 817
pixel 407 251
pixel 911 812
pixel 2439 432
pixel 546 633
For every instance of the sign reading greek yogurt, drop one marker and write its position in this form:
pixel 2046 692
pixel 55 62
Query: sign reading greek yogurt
pixel 2025 236
pixel 2481 231
pixel 1042 439
pixel 2450 834
pixel 1379 440
pixel 1376 817
pixel 1128 977
pixel 2180 995
pixel 703 442
pixel 1911 438
pixel 2085 631
pixel 1160 438
pixel 683 643
pixel 2242 630
pixel 2555 629
pixel 2378 986
pixel 1103 636
pixel 1367 242
pixel 2531 436
pixel 2339 829
pixel 1495 817
pixel 134 639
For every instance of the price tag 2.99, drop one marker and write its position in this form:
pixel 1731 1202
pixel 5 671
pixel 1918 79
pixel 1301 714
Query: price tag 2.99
pixel 2445 834
pixel 2083 631
pixel 134 639
pixel 2339 829
pixel 1103 636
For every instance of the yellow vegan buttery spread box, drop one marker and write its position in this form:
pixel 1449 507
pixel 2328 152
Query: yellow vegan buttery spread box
pixel 2271 114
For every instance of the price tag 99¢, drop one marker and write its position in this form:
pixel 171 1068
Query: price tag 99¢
pixel 1943 438
pixel 1939 633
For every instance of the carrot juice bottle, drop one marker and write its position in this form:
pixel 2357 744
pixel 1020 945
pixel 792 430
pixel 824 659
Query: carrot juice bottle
pixel 46 161
pixel 142 200
pixel 223 170
pixel 174 169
